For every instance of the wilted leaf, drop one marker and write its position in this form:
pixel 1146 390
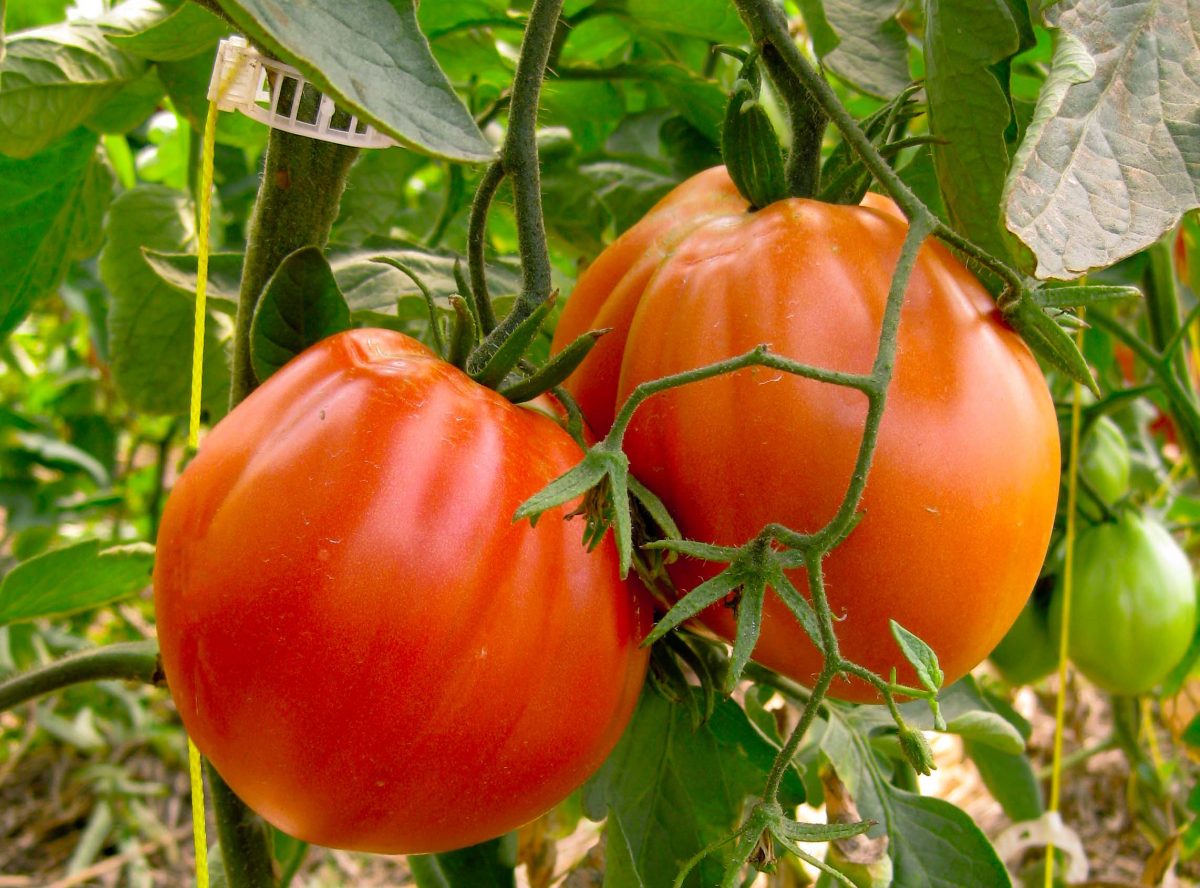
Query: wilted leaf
pixel 861 42
pixel 1111 159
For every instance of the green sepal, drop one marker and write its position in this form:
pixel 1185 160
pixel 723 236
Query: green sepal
pixel 824 832
pixel 580 479
pixel 705 595
pixel 464 287
pixel 1049 341
pixel 605 472
pixel 749 143
pixel 505 359
pixel 1083 295
pixel 555 371
pixel 655 508
pixel 749 627
pixel 463 332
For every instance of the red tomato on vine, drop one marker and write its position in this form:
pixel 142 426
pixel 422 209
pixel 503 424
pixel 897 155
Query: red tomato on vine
pixel 961 496
pixel 354 630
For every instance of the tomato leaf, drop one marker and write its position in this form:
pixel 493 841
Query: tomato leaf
pixel 54 78
pixel 188 30
pixel 1108 164
pixel 620 868
pixel 1010 779
pixel 969 110
pixel 862 43
pixel 51 209
pixel 932 842
pixel 921 656
pixel 300 306
pixel 371 58
pixel 151 323
pixel 73 578
pixel 676 790
pixel 486 865
pixel 713 20
pixel 178 270
pixel 988 728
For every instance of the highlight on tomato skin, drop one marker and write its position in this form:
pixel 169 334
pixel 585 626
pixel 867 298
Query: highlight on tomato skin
pixel 961 496
pixel 355 632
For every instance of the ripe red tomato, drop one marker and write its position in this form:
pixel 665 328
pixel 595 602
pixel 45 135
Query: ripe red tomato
pixel 355 632
pixel 961 497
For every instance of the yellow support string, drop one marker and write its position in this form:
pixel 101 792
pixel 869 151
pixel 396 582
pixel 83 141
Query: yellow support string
pixel 1065 630
pixel 199 835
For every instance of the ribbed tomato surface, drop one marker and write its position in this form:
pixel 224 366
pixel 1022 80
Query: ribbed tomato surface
pixel 961 495
pixel 355 632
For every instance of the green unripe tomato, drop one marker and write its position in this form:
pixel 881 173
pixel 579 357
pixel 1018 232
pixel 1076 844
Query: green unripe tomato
pixel 1104 460
pixel 1133 609
pixel 1029 651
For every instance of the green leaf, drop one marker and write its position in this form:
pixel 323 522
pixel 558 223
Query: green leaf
pixel 1010 779
pixel 178 270
pixel 620 869
pixel 932 843
pixel 990 729
pixel 74 578
pixel 368 286
pixel 53 79
pixel 56 454
pixel 713 20
pixel 920 655
pixel 674 790
pixel 51 209
pixel 130 106
pixel 151 323
pixel 1111 160
pixel 861 42
pixel 969 110
pixel 300 305
pixel 750 146
pixel 486 865
pixel 188 30
pixel 371 58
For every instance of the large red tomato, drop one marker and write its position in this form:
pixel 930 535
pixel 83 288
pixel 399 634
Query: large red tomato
pixel 961 495
pixel 355 632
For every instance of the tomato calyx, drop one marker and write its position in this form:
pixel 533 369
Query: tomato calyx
pixel 749 143
pixel 458 341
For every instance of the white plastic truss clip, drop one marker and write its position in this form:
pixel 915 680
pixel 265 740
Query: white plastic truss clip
pixel 278 95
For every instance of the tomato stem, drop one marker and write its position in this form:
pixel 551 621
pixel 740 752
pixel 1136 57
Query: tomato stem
pixel 245 840
pixel 518 161
pixel 296 206
pixel 131 661
pixel 808 122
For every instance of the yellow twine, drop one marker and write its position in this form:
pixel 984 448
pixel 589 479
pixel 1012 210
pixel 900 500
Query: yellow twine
pixel 1065 631
pixel 199 832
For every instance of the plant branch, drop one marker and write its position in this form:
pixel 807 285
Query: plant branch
pixel 129 661
pixel 245 840
pixel 476 242
pixel 297 203
pixel 519 157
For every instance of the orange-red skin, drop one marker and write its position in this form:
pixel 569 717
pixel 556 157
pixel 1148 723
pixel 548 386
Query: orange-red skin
pixel 354 630
pixel 960 500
